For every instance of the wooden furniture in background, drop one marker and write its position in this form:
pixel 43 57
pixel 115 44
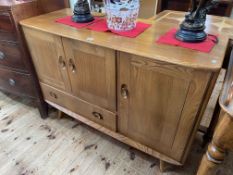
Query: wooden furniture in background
pixel 144 94
pixel 147 8
pixel 16 69
pixel 223 136
pixel 224 8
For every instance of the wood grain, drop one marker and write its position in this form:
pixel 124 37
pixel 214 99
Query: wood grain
pixel 153 99
pixel 116 135
pixel 72 103
pixel 92 72
pixel 26 147
pixel 13 48
pixel 157 94
pixel 144 45
pixel 49 58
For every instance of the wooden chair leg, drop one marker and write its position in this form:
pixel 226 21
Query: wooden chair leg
pixel 222 141
pixel 213 157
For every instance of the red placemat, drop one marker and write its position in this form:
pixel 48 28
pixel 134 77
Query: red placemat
pixel 68 21
pixel 205 46
pixel 101 26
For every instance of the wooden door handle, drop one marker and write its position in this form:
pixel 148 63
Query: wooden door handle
pixel 62 63
pixel 97 115
pixel 72 66
pixel 2 55
pixel 53 95
pixel 124 91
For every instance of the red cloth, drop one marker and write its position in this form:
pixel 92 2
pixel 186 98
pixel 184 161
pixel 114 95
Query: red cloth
pixel 68 21
pixel 140 28
pixel 101 26
pixel 205 46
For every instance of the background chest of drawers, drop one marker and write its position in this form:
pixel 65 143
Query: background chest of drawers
pixel 16 70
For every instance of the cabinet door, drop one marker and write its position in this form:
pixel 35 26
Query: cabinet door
pixel 92 73
pixel 158 103
pixel 48 57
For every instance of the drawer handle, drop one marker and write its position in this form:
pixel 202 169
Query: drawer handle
pixel 12 82
pixel 72 66
pixel 97 115
pixel 124 91
pixel 61 62
pixel 53 95
pixel 2 55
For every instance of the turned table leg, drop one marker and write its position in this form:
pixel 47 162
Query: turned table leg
pixel 213 157
pixel 222 142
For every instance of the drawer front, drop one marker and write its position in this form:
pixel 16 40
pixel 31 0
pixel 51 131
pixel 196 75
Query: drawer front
pixel 11 56
pixel 7 27
pixel 17 83
pixel 92 112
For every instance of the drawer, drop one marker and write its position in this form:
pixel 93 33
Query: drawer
pixel 17 83
pixel 11 56
pixel 89 111
pixel 7 27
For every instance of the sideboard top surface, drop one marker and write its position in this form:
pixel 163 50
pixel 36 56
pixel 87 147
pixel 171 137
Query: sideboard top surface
pixel 145 44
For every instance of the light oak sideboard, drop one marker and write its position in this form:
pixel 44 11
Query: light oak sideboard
pixel 146 95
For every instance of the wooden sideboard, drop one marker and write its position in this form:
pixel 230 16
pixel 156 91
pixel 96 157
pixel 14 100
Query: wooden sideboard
pixel 16 69
pixel 144 94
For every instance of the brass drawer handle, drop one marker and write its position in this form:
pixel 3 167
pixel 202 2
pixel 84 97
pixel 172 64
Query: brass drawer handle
pixel 124 91
pixel 53 95
pixel 72 66
pixel 61 62
pixel 97 115
pixel 12 82
pixel 2 55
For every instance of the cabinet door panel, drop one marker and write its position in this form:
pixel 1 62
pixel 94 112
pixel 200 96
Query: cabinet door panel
pixel 92 73
pixel 49 59
pixel 151 107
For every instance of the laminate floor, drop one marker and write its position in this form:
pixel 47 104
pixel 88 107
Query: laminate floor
pixel 30 145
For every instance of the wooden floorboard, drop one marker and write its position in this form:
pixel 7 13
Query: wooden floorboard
pixel 30 145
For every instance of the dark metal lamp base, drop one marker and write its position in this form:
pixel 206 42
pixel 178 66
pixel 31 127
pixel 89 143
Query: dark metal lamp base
pixel 82 18
pixel 191 36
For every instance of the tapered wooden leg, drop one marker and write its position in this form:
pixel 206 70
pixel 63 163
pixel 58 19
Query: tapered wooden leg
pixel 163 166
pixel 59 114
pixel 222 141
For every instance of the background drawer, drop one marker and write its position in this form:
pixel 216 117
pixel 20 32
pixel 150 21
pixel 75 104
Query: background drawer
pixel 7 27
pixel 17 83
pixel 92 112
pixel 11 56
pixel 6 24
